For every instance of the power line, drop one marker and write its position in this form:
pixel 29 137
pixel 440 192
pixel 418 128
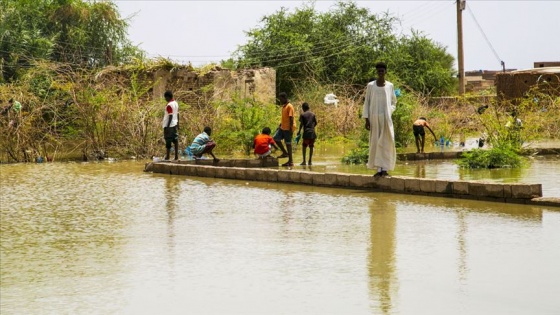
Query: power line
pixel 308 55
pixel 263 58
pixel 437 9
pixel 484 35
pixel 283 53
pixel 300 54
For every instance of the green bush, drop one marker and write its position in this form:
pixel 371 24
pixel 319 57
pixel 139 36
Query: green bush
pixel 360 154
pixel 402 119
pixel 496 157
pixel 503 134
pixel 240 120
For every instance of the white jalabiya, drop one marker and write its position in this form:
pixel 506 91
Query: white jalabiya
pixel 379 105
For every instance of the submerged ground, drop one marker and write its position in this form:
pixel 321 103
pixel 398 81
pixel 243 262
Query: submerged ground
pixel 108 238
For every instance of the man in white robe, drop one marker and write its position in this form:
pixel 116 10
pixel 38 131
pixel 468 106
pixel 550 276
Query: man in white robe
pixel 380 102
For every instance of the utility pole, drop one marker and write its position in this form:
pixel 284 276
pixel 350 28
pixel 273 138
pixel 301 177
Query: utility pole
pixel 460 58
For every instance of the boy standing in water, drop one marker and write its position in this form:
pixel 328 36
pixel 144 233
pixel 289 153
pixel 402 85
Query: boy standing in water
pixel 307 121
pixel 419 133
pixel 286 129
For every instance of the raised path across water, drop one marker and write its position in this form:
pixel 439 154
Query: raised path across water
pixel 457 154
pixel 260 170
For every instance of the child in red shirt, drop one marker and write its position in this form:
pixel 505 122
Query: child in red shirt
pixel 263 143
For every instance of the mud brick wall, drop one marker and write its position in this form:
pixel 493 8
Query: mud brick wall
pixel 511 86
pixel 200 90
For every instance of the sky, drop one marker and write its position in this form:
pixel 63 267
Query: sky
pixel 517 32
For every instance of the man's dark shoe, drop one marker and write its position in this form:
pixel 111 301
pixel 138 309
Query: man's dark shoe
pixel 385 174
pixel 288 164
pixel 378 174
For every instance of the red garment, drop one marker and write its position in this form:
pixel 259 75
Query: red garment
pixel 262 143
pixel 169 109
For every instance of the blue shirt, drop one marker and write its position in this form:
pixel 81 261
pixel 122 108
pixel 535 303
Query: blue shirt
pixel 199 143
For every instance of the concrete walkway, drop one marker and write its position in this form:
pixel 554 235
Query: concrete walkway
pixel 457 154
pixel 255 170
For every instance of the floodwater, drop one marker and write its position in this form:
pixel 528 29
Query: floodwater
pixel 106 238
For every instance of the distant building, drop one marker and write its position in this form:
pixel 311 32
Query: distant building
pixel 544 64
pixel 481 80
pixel 515 85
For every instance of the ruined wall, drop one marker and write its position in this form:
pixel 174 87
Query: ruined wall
pixel 258 84
pixel 516 84
pixel 216 85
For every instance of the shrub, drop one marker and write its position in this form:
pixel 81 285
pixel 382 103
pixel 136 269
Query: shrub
pixel 496 157
pixel 240 120
pixel 402 119
pixel 360 154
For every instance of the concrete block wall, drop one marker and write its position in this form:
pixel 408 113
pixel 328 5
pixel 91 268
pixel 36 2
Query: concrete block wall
pixel 231 162
pixel 448 155
pixel 488 191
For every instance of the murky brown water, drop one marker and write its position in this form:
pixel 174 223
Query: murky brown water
pixel 109 239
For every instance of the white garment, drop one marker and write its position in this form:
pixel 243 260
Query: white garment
pixel 175 116
pixel 379 105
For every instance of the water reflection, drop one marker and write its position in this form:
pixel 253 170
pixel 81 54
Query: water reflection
pixel 462 229
pixel 381 258
pixel 505 175
pixel 466 208
pixel 420 170
pixel 171 194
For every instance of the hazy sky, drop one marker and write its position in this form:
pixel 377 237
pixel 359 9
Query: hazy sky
pixel 520 32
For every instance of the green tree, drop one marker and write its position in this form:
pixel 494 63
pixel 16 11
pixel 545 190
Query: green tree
pixel 342 46
pixel 423 65
pixel 79 32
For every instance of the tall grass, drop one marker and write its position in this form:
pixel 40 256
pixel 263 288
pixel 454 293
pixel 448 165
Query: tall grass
pixel 70 112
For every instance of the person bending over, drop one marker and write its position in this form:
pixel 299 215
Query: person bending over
pixel 202 144
pixel 419 133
